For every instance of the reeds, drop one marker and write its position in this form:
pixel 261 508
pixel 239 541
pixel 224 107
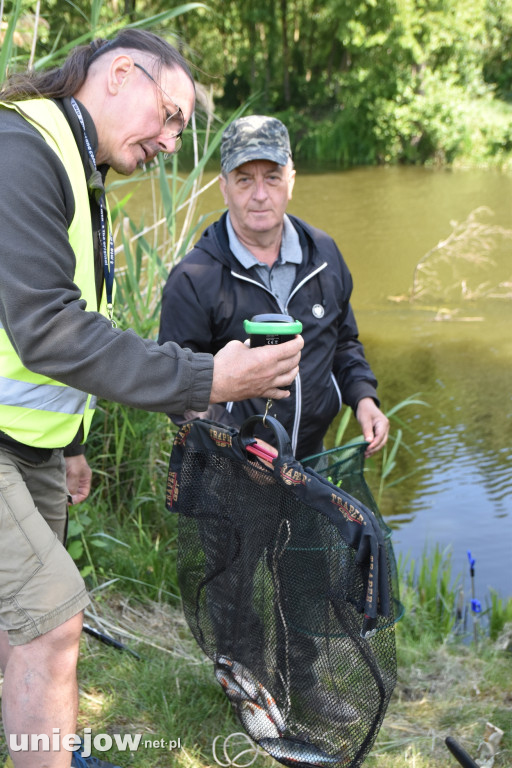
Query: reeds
pixel 382 465
pixel 452 271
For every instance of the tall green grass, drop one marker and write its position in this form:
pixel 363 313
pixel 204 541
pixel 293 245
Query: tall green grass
pixel 100 19
pixel 381 466
pixel 430 595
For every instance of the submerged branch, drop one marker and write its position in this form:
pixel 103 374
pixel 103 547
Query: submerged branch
pixel 470 247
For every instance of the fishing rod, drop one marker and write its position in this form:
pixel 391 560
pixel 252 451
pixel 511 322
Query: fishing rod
pixel 476 606
pixel 455 748
pixel 108 640
pixel 459 753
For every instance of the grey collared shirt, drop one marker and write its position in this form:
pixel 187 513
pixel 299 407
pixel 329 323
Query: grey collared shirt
pixel 280 276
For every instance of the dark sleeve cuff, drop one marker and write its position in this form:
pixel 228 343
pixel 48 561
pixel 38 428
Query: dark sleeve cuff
pixel 76 447
pixel 357 391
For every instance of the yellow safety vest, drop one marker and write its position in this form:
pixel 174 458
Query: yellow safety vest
pixel 34 409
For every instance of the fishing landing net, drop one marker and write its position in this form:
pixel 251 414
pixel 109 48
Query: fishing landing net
pixel 344 467
pixel 287 585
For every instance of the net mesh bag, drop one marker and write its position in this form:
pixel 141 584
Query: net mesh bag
pixel 344 467
pixel 287 587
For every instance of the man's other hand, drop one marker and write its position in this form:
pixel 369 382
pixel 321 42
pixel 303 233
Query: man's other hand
pixel 78 477
pixel 374 425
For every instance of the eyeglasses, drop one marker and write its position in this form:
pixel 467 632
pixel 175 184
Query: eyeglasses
pixel 174 123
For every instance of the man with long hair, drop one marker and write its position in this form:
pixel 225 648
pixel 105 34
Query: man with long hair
pixel 113 104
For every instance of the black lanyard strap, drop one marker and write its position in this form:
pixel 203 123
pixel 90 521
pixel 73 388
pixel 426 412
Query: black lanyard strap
pixel 107 242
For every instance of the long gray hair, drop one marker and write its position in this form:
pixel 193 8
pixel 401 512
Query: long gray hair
pixel 64 81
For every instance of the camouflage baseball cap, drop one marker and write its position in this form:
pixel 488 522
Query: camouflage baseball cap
pixel 256 137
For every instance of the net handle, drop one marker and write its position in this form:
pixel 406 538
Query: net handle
pixel 459 753
pixel 261 452
pixel 246 436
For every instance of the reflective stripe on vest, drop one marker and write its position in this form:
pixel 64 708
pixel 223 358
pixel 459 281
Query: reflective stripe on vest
pixel 46 397
pixel 34 409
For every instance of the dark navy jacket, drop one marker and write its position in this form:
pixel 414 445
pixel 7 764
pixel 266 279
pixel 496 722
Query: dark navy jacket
pixel 209 294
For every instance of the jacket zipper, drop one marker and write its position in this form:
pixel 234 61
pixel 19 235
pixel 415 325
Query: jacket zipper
pixel 298 384
pixel 305 280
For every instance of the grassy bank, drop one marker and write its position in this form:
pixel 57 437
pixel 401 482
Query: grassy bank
pixel 125 544
pixel 448 684
pixel 444 688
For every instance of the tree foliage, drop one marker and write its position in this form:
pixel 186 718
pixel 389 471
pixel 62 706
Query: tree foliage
pixel 357 81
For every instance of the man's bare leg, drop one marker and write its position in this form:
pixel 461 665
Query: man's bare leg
pixel 40 691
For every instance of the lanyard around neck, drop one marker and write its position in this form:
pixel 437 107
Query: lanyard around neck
pixel 107 242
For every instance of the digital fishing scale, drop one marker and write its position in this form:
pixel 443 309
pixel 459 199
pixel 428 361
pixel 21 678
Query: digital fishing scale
pixel 271 329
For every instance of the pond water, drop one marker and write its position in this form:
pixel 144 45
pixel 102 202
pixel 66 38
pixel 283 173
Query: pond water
pixel 453 346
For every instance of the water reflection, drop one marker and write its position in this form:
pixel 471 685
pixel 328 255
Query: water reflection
pixel 458 482
pixel 454 506
pixel 458 473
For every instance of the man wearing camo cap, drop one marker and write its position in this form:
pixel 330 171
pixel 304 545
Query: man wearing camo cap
pixel 254 138
pixel 257 259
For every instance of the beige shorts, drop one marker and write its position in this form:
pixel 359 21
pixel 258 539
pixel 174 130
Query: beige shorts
pixel 40 585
